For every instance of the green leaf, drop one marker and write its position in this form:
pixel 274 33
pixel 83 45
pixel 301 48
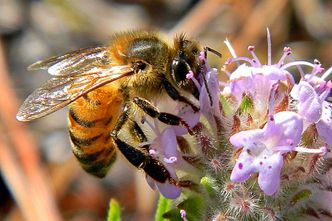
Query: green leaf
pixel 173 214
pixel 163 206
pixel 114 213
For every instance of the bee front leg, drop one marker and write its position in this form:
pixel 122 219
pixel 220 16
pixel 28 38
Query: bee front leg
pixel 175 95
pixel 167 118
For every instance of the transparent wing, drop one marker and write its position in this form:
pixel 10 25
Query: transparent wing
pixel 74 61
pixel 61 90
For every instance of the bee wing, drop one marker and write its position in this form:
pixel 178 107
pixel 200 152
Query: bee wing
pixel 74 60
pixel 59 91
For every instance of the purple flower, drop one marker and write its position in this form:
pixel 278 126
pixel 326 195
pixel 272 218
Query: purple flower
pixel 257 79
pixel 163 147
pixel 210 94
pixel 263 150
pixel 209 90
pixel 188 115
pixel 310 95
pixel 324 125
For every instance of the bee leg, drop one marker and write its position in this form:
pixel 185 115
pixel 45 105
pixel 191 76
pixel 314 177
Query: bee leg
pixel 175 95
pixel 164 117
pixel 154 168
pixel 121 121
pixel 139 132
pixel 181 183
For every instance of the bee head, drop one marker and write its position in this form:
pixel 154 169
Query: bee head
pixel 186 59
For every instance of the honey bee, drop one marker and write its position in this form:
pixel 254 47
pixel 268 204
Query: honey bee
pixel 105 87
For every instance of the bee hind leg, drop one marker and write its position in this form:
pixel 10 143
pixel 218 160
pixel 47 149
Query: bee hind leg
pixel 167 118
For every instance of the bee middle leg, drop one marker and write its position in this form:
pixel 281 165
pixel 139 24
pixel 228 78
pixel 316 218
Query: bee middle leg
pixel 139 157
pixel 151 166
pixel 167 118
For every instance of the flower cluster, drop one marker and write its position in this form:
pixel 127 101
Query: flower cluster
pixel 260 141
pixel 282 125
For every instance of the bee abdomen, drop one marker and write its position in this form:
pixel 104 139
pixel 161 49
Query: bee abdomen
pixel 96 163
pixel 79 121
pixel 91 143
pixel 83 141
pixel 95 154
pixel 91 120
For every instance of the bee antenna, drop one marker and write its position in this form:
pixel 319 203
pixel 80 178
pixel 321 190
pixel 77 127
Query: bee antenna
pixel 215 52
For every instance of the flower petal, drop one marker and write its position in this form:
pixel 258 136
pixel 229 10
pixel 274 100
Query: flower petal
pixel 272 72
pixel 243 167
pixel 168 142
pixel 168 190
pixel 309 106
pixel 269 174
pixel 324 126
pixel 286 126
pixel 209 102
pixel 187 114
pixel 151 182
pixel 245 138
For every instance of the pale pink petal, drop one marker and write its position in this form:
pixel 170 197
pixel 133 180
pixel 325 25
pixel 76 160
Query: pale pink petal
pixel 243 168
pixel 168 142
pixel 309 104
pixel 324 126
pixel 269 174
pixel 209 102
pixel 187 114
pixel 246 137
pixel 272 72
pixel 286 126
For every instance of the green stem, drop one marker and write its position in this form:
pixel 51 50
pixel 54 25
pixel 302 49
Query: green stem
pixel 114 213
pixel 163 206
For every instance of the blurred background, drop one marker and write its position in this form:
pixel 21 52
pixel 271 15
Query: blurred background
pixel 39 177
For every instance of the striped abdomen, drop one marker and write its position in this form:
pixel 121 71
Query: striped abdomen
pixel 91 119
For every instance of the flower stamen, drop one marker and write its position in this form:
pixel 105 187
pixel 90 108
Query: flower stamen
pixel 256 61
pixel 321 151
pixel 190 76
pixel 170 160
